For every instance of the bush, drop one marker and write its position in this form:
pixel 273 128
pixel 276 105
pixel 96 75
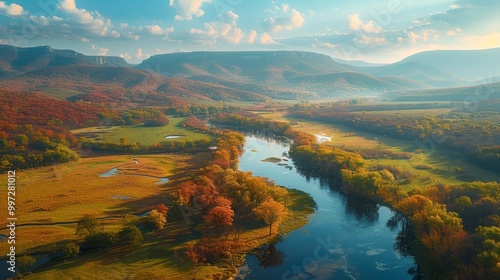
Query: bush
pixel 101 240
pixel 130 236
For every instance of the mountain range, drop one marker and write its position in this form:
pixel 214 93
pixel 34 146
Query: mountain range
pixel 240 75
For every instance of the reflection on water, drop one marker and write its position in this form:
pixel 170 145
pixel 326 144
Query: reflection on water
pixel 349 237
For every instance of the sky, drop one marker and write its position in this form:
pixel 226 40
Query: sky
pixel 378 31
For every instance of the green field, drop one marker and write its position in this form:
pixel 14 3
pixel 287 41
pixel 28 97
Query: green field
pixel 443 162
pixel 141 134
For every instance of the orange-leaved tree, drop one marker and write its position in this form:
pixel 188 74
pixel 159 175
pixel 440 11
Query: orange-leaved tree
pixel 271 212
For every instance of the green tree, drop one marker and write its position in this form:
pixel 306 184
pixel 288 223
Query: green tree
pixel 88 226
pixel 71 250
pixel 130 236
pixel 21 140
pixel 25 263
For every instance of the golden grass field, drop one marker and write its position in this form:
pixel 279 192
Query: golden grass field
pixel 64 193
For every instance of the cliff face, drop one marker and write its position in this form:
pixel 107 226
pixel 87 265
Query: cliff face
pixel 16 61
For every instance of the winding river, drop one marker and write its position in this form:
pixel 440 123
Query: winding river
pixel 348 237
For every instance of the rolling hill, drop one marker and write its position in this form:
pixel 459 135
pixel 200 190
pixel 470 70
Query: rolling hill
pixel 261 67
pixel 470 65
pixel 278 74
pixel 15 61
pixel 474 94
pixel 429 75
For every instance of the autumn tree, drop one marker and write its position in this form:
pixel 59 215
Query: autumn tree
pixel 157 218
pixel 161 208
pixel 194 253
pixel 88 226
pixel 221 217
pixel 185 191
pixel 271 212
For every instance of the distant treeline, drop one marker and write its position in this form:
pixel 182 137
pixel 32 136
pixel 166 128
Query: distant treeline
pixel 474 135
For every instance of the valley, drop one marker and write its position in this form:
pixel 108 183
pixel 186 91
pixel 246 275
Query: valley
pixel 151 171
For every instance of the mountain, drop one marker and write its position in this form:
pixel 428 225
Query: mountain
pixel 258 66
pixel 68 81
pixel 470 65
pixel 358 63
pixel 66 74
pixel 280 74
pixel 15 61
pixel 429 75
pixel 465 95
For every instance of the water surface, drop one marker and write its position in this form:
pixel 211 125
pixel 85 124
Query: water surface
pixel 346 239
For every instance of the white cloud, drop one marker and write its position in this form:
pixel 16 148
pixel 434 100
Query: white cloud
pixel 139 54
pixel 125 56
pixel 230 17
pixel 11 10
pixel 422 36
pixel 356 24
pixel 251 36
pixel 453 32
pixel 132 36
pixel 81 20
pixel 123 25
pixel 187 9
pixel 288 19
pixel 100 51
pixel 266 39
pixel 156 30
pixel 491 40
pixel 327 45
pixel 369 40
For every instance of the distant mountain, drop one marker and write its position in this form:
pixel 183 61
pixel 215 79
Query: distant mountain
pixel 351 80
pixel 283 74
pixel 15 61
pixel 465 95
pixel 259 66
pixel 431 76
pixel 358 63
pixel 470 65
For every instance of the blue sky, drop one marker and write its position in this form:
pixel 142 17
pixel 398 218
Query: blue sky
pixel 369 30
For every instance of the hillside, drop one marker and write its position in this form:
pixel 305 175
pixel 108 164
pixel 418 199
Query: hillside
pixel 68 81
pixel 278 74
pixel 15 61
pixel 460 94
pixel 471 65
pixel 416 71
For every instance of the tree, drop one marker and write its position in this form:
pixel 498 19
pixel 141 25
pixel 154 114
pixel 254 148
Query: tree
pixel 71 250
pixel 162 209
pixel 130 236
pixel 25 263
pixel 88 226
pixel 101 240
pixel 21 140
pixel 195 255
pixel 157 218
pixel 221 217
pixel 271 212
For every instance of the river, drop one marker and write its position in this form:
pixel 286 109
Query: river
pixel 347 238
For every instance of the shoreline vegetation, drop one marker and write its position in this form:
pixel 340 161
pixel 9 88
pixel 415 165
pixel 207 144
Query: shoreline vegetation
pixel 444 234
pixel 208 216
pixel 218 220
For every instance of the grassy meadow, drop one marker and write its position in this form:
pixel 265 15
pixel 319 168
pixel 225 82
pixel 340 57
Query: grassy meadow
pixel 443 162
pixel 142 134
